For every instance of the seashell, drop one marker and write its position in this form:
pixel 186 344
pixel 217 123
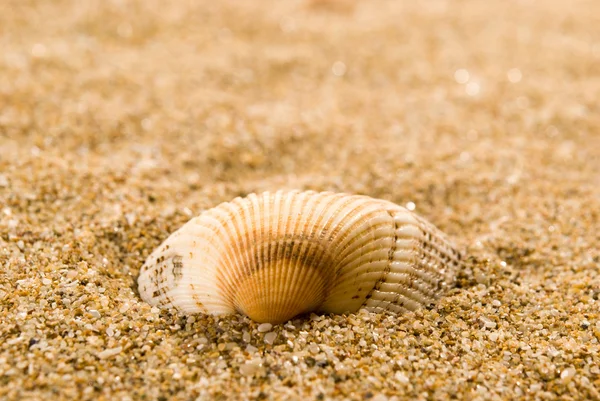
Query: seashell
pixel 277 255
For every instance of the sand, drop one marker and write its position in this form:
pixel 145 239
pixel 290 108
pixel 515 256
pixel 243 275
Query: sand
pixel 119 120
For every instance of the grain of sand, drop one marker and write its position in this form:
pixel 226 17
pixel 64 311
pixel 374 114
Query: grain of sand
pixel 119 120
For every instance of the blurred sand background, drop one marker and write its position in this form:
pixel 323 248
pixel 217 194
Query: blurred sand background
pixel 119 120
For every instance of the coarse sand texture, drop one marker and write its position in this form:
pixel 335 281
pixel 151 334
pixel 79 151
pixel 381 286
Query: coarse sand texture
pixel 122 120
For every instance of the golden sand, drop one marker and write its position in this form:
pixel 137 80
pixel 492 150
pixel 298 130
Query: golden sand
pixel 119 120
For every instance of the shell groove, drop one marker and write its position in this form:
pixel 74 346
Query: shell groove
pixel 275 255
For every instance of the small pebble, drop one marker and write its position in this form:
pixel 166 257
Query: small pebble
pixel 401 377
pixel 270 337
pixel 264 327
pixel 250 368
pixel 567 374
pixel 107 353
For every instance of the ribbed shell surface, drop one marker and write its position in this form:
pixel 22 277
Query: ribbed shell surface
pixel 276 255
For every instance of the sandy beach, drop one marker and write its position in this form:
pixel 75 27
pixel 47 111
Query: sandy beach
pixel 121 120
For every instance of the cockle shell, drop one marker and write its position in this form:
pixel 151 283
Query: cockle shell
pixel 277 255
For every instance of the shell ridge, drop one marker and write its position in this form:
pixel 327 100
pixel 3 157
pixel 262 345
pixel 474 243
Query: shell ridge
pixel 370 219
pixel 278 214
pixel 409 293
pixel 390 255
pixel 307 247
pixel 226 265
pixel 359 253
pixel 198 272
pixel 351 253
pixel 288 227
pixel 311 257
pixel 231 221
pixel 244 236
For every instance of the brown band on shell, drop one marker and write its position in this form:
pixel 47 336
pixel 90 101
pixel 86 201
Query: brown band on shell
pixel 196 298
pixel 158 277
pixel 177 267
pixel 314 254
